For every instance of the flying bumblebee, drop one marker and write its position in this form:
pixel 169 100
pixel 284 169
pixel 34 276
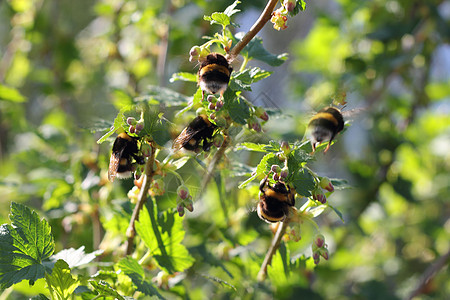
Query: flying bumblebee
pixel 199 131
pixel 325 125
pixel 124 149
pixel 275 201
pixel 214 74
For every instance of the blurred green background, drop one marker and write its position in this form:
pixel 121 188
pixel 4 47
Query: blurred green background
pixel 66 67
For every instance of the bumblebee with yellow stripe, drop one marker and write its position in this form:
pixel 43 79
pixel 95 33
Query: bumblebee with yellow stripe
pixel 275 201
pixel 196 136
pixel 214 74
pixel 124 150
pixel 325 125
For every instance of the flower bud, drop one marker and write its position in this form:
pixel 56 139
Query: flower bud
pixel 133 194
pixel 212 116
pixel 138 182
pixel 211 98
pixel 131 121
pixel 325 183
pixel 220 121
pixel 219 104
pixel 183 192
pixel 261 113
pixel 252 123
pixel 212 106
pixel 319 196
pixel 256 127
pixel 132 129
pixel 180 210
pixel 146 149
pixel 295 233
pixel 284 173
pixel 275 168
pixel 139 126
pixel 316 257
pixel 324 253
pixel 157 187
pixel 279 19
pixel 200 111
pixel 218 140
pixel 319 240
pixel 285 147
pixel 281 156
pixel 189 204
pixel 289 5
pixel 195 51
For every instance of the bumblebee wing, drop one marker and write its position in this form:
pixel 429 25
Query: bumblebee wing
pixel 113 165
pixel 184 137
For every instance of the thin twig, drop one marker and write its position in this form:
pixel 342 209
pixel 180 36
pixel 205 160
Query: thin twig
pixel 429 273
pixel 262 274
pixel 259 24
pixel 143 195
pixel 216 159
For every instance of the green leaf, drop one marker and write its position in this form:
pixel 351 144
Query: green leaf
pixel 300 6
pixel 61 281
pixel 237 108
pixel 218 18
pixel 316 210
pixel 76 257
pixel 302 180
pixel 11 94
pixel 104 289
pixel 241 80
pixel 23 246
pixel 256 50
pixel 130 267
pixel 223 18
pixel 197 99
pixel 339 184
pixel 155 125
pixel 218 280
pixel 263 167
pixel 273 147
pixel 118 122
pixel 162 95
pixel 163 236
pixel 231 10
pixel 338 213
pixel 280 268
pixel 184 76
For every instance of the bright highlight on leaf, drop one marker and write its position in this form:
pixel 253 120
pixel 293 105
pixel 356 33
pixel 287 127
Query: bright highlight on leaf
pixel 163 235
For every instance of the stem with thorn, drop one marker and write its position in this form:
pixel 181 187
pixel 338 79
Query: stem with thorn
pixel 259 24
pixel 143 195
pixel 262 274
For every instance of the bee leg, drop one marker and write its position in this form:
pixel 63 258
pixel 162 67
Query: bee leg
pixel 328 147
pixel 263 183
pixel 313 145
pixel 203 95
pixel 221 94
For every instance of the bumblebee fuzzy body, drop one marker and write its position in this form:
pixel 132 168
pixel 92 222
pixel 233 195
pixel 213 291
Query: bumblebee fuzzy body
pixel 214 74
pixel 199 130
pixel 325 125
pixel 125 148
pixel 275 201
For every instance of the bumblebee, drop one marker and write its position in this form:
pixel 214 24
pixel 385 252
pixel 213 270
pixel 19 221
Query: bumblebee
pixel 125 148
pixel 214 74
pixel 199 131
pixel 275 201
pixel 325 125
